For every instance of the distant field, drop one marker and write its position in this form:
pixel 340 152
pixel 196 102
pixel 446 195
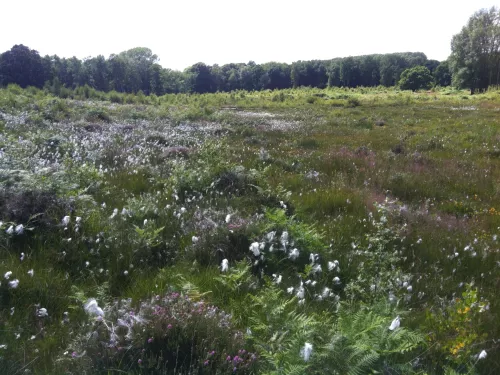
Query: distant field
pixel 273 232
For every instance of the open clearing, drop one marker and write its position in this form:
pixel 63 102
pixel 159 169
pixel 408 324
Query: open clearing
pixel 333 210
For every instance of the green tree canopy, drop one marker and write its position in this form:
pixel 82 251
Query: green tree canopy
pixel 475 52
pixel 22 66
pixel 416 78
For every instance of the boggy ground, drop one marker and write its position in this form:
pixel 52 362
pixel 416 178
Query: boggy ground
pixel 265 232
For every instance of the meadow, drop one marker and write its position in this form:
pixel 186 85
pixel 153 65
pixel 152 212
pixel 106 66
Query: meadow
pixel 300 231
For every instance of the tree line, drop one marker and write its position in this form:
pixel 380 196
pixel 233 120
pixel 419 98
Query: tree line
pixel 474 64
pixel 138 70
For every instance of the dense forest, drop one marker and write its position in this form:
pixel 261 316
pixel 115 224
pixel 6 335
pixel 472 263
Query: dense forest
pixel 138 70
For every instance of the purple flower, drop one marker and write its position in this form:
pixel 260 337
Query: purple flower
pixel 205 363
pixel 150 340
pixel 228 358
pixel 169 326
pixel 74 354
pixel 139 361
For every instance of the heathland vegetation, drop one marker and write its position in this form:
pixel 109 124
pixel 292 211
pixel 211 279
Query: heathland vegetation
pixel 254 230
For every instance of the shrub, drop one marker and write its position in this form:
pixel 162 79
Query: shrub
pixel 167 334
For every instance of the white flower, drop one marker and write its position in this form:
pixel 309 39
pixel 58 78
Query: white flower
pixel 395 324
pixel 65 220
pixel 78 219
pixel 42 312
pixel 3 346
pixel 115 212
pixel 195 239
pixel 254 247
pixel 92 308
pixel 316 268
pixel 225 265
pixel 300 292
pixel 277 279
pixel 10 230
pixel 145 222
pixel 19 229
pixel 270 236
pixel 409 289
pixel 183 209
pixel 306 351
pixel 14 284
pixel 326 292
pixel 336 280
pixel 7 275
pixel 22 257
pixel 284 239
pixel 289 290
pixel 333 265
pixel 294 254
pixel 228 218
pixel 482 355
pixel 31 272
pixel 125 272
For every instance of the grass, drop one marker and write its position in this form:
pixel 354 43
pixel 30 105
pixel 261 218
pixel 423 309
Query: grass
pixel 400 188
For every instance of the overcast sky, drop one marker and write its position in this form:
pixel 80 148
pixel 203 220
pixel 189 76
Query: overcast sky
pixel 184 32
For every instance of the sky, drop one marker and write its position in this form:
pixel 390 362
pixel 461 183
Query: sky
pixel 184 32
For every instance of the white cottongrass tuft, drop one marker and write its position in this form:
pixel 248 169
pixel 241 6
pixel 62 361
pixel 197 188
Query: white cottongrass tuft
pixel 65 220
pixel 316 268
pixel 270 236
pixel 482 355
pixel 10 230
pixel 195 239
pixel 395 324
pixel 306 351
pixel 42 312
pixel 78 219
pixel 14 284
pixel 300 291
pixel 224 265
pixel 294 254
pixel 228 218
pixel 333 265
pixel 19 229
pixel 31 272
pixel 92 308
pixel 284 239
pixel 254 247
pixel 336 280
pixel 7 275
pixel 22 257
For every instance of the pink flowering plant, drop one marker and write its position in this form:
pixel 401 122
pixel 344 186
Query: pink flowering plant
pixel 167 333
